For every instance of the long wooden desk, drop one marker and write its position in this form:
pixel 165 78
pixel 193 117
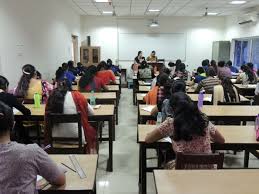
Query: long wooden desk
pixel 144 89
pixel 74 184
pixel 236 138
pixel 104 113
pixel 194 97
pixel 105 98
pixel 246 90
pixel 206 181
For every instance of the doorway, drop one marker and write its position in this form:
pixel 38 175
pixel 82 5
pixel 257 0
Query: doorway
pixel 75 48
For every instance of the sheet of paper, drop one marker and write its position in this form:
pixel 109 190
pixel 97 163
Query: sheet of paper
pixel 39 178
pixel 97 106
pixel 143 95
pixel 207 99
pixel 167 139
pixel 148 108
pixel 15 111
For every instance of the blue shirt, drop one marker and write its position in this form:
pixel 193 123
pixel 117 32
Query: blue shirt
pixel 198 78
pixel 233 69
pixel 70 76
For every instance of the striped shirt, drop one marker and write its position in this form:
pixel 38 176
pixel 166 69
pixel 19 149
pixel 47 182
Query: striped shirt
pixel 208 84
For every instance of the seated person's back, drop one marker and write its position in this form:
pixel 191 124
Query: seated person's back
pixel 20 164
pixel 106 75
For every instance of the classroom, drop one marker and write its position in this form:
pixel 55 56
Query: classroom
pixel 129 96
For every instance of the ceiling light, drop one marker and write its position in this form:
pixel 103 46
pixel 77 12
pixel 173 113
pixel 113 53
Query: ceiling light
pixel 154 10
pixel 102 1
pixel 154 24
pixel 107 12
pixel 237 2
pixel 213 13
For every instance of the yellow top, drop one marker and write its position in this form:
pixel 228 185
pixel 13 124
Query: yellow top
pixel 34 87
pixel 152 58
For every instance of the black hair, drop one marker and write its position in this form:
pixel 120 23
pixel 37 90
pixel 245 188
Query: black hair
pixel 55 103
pixel 4 83
pixel 6 118
pixel 171 64
pixel 213 63
pixel 102 65
pixel 178 86
pixel 178 62
pixel 64 66
pixel 88 77
pixel 250 65
pixel 181 67
pixel 210 72
pixel 38 74
pixel 188 120
pixel 248 71
pixel 139 52
pixel 229 63
pixel 221 63
pixel 109 61
pixel 200 70
pixel 205 63
pixel 166 70
pixel 79 64
pixel 70 64
pixel 153 52
pixel 229 93
pixel 59 73
pixel 162 79
pixel 29 72
pixel 143 65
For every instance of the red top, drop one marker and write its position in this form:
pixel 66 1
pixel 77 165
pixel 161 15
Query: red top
pixel 106 75
pixel 96 85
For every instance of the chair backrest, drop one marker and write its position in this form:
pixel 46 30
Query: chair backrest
pixel 201 161
pixel 64 143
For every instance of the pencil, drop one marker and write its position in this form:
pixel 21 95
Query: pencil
pixel 68 167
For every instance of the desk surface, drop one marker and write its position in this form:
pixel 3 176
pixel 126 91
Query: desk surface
pixel 143 83
pixel 73 182
pixel 243 87
pixel 113 87
pixel 232 134
pixel 194 97
pixel 101 95
pixel 104 110
pixel 206 181
pixel 144 88
pixel 226 111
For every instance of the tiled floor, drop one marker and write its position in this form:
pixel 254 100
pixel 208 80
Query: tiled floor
pixel 124 178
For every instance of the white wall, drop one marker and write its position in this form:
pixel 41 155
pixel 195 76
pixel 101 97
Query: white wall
pixel 234 30
pixel 37 32
pixel 200 34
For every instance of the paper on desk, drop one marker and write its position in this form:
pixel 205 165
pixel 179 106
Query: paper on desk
pixel 97 106
pixel 148 108
pixel 208 99
pixel 15 111
pixel 39 178
pixel 143 95
pixel 167 139
pixel 146 83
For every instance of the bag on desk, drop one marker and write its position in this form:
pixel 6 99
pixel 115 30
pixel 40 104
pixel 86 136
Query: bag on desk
pixel 145 73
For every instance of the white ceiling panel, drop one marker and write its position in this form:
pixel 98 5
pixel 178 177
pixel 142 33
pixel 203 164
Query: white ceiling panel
pixel 166 7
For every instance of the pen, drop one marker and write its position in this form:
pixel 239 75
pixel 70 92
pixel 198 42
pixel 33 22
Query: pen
pixel 68 167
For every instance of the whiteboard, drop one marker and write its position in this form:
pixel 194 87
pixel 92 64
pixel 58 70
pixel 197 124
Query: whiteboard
pixel 169 46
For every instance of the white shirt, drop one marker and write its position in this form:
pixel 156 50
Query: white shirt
pixel 70 129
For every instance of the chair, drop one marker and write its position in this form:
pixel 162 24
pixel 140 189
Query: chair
pixel 184 160
pixel 64 145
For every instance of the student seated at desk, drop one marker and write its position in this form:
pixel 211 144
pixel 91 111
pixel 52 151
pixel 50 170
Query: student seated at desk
pixel 90 82
pixel 223 70
pixel 213 64
pixel 64 101
pixel 71 68
pixel 10 99
pixel 232 68
pixel 226 92
pixel 247 76
pixel 152 57
pixel 139 59
pixel 28 84
pixel 190 130
pixel 68 74
pixel 208 83
pixel 107 76
pixel 156 94
pixel 201 75
pixel 181 72
pixel 115 68
pixel 20 164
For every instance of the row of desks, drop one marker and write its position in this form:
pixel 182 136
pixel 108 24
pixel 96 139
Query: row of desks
pixel 236 138
pixel 104 113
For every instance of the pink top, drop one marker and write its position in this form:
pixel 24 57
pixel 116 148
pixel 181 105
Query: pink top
pixel 199 144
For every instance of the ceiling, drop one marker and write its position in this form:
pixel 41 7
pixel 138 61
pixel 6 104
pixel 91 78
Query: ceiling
pixel 167 7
